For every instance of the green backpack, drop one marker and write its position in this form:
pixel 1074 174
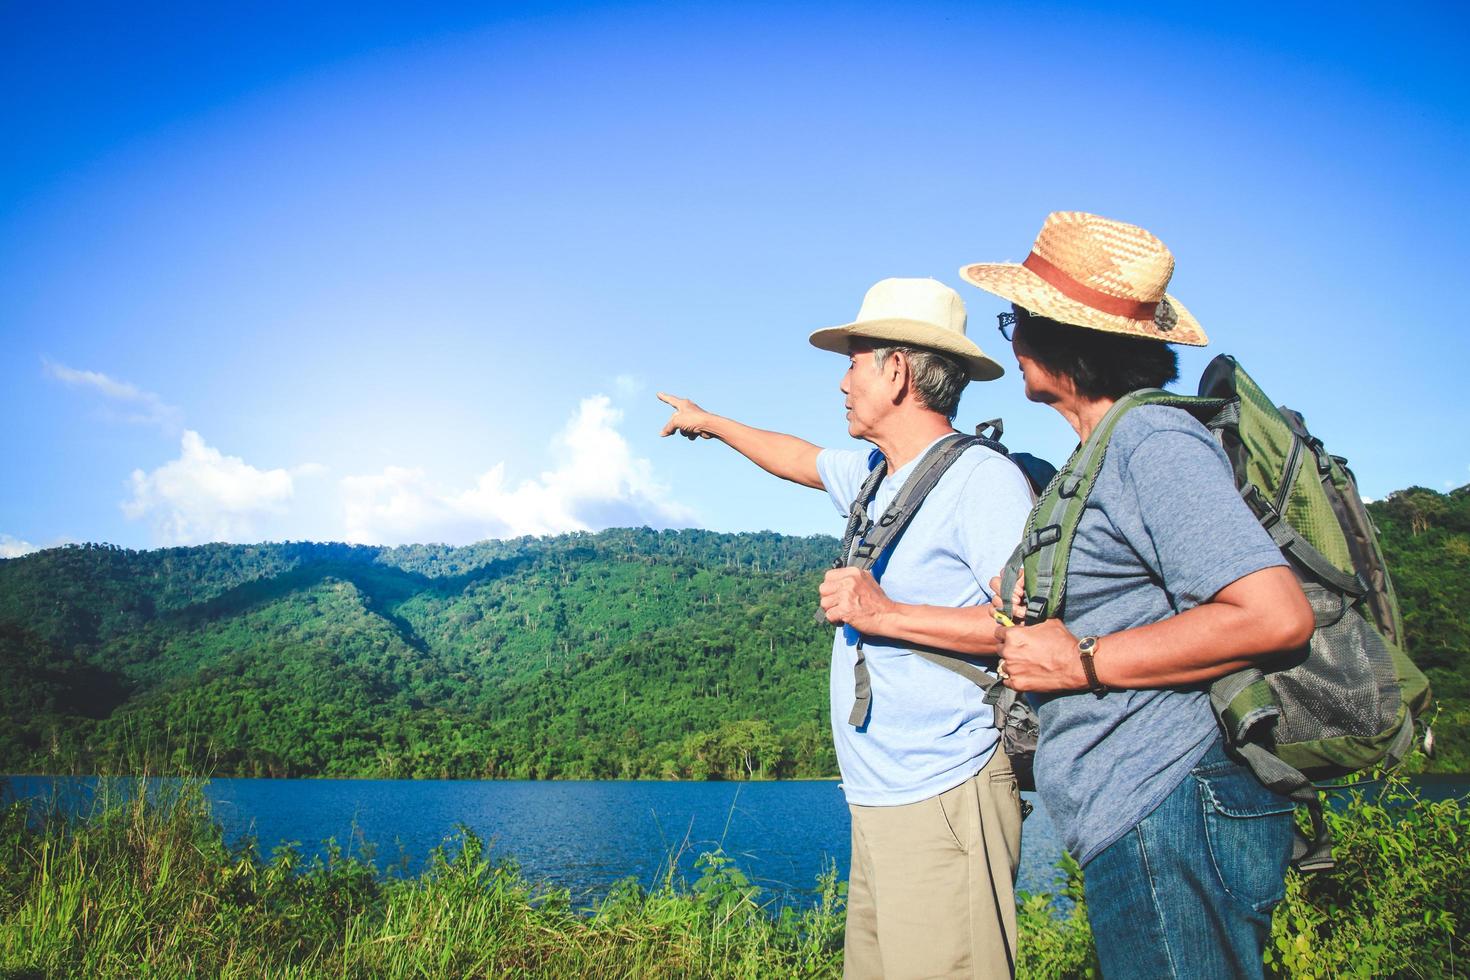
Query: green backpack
pixel 1348 700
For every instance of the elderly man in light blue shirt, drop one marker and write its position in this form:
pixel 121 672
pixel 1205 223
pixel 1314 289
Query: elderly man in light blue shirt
pixel 936 825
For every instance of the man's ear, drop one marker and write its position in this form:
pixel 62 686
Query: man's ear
pixel 896 373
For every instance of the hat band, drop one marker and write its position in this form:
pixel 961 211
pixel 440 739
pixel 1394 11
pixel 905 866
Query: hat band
pixel 1098 300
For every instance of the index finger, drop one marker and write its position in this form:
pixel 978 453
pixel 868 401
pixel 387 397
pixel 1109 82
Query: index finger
pixel 671 400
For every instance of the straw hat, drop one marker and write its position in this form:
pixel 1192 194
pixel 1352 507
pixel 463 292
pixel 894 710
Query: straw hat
pixel 1094 272
pixel 913 313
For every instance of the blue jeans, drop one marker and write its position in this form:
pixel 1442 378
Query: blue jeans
pixel 1188 892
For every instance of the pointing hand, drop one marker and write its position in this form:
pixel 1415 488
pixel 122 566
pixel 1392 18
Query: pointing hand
pixel 689 420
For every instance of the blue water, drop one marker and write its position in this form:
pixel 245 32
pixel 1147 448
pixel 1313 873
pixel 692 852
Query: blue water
pixel 583 836
pixel 579 835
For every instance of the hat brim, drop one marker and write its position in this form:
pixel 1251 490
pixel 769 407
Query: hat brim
pixel 1172 323
pixel 911 333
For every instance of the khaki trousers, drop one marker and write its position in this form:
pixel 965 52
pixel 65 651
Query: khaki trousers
pixel 931 892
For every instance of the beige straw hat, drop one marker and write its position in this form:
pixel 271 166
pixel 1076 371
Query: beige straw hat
pixel 1093 272
pixel 913 313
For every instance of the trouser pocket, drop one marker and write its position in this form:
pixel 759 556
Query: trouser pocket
pixel 1248 829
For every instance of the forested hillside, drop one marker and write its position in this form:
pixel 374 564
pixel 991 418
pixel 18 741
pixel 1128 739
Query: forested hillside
pixel 1426 539
pixel 629 653
pixel 626 653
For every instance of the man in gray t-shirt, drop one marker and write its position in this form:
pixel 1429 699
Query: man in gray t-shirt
pixel 1164 510
pixel 1171 585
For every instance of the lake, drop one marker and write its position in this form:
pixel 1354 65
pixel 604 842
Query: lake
pixel 579 835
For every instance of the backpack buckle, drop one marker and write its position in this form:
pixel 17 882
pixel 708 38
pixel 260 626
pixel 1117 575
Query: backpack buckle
pixel 1036 608
pixel 1070 486
pixel 1042 537
pixel 1324 460
pixel 1265 511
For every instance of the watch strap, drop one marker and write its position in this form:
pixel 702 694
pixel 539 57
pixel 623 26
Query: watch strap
pixel 1086 650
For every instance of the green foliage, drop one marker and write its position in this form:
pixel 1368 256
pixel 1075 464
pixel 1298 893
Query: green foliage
pixel 1426 541
pixel 146 887
pixel 1396 905
pixel 630 653
pixel 625 654
pixel 1054 939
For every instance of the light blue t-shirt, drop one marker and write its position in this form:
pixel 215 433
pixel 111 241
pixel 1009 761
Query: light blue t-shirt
pixel 1163 531
pixel 928 729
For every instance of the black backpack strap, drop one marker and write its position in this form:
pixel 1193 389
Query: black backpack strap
pixel 864 546
pixel 1296 547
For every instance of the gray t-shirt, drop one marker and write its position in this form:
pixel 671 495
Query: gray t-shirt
pixel 1163 531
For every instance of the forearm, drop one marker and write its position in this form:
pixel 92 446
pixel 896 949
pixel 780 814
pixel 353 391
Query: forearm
pixel 969 629
pixel 789 457
pixel 1250 619
pixel 1197 646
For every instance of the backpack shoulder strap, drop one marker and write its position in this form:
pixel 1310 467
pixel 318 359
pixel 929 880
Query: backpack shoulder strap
pixel 866 540
pixel 857 514
pixel 882 532
pixel 1045 548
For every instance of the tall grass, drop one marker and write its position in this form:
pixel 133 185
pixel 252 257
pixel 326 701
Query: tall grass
pixel 145 885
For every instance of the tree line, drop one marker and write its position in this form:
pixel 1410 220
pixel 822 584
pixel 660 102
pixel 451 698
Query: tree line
pixel 630 653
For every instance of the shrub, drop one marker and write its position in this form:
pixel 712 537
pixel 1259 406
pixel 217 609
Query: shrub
pixel 1396 905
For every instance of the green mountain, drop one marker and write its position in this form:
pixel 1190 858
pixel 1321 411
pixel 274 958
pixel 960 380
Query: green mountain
pixel 629 653
pixel 1426 540
pixel 621 654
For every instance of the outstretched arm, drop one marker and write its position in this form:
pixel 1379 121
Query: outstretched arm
pixel 779 454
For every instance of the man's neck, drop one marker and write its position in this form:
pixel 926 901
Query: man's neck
pixel 910 435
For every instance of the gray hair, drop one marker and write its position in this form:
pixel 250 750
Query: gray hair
pixel 938 379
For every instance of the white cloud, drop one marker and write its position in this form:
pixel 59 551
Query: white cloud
pixel 207 496
pixel 628 386
pixel 14 547
pixel 597 482
pixel 140 406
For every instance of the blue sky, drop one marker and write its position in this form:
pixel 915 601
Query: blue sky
pixel 391 275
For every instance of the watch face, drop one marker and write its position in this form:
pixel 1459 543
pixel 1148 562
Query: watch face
pixel 1087 643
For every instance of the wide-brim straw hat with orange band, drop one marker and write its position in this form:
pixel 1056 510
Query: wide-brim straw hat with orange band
pixel 1094 272
pixel 913 313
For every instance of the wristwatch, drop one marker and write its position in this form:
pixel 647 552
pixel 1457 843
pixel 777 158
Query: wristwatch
pixel 1086 650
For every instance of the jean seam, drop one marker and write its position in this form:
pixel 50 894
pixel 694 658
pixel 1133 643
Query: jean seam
pixel 1154 902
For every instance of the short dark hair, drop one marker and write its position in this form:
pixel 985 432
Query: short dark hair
pixel 1100 364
